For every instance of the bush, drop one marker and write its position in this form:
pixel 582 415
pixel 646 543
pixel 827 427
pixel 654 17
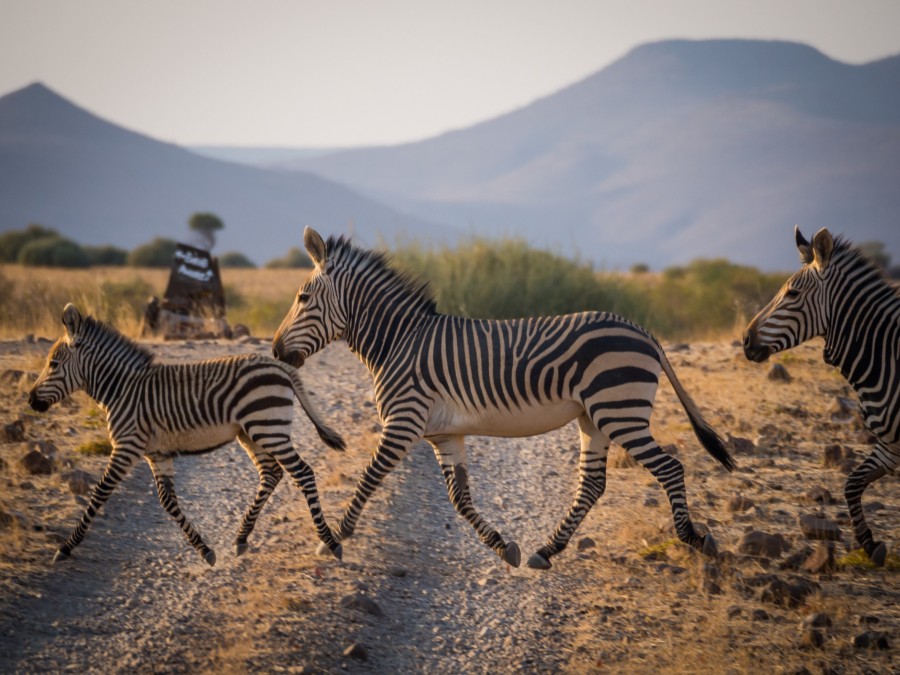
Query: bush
pixel 123 296
pixel 294 258
pixel 235 259
pixel 12 243
pixel 109 256
pixel 53 251
pixel 157 253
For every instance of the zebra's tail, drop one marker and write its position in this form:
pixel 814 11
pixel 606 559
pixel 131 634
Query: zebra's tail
pixel 331 438
pixel 706 434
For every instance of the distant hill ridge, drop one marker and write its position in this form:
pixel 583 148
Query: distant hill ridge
pixel 681 149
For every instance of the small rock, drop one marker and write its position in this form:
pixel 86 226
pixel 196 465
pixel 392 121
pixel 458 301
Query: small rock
pixel 361 603
pixel 759 615
pixel 79 482
pixel 868 620
pixel 14 432
pixel 822 559
pixel 811 638
pixel 835 455
pixel 785 594
pixel 585 543
pixel 356 651
pixel 398 571
pixel 778 373
pixel 871 639
pixel 651 502
pixel 36 463
pixel 819 528
pixel 817 495
pixel 739 503
pixel 817 620
pixel 239 330
pixel 6 520
pixel 740 445
pixel 735 611
pixel 843 409
pixel 762 543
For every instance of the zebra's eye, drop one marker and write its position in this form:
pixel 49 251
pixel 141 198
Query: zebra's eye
pixel 792 293
pixel 54 364
pixel 303 297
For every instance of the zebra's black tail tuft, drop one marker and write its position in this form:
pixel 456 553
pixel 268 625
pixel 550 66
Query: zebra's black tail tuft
pixel 331 438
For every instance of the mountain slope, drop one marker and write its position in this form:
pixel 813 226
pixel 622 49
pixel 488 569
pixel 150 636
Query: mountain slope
pixel 678 150
pixel 98 183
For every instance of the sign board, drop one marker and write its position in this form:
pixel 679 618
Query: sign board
pixel 195 286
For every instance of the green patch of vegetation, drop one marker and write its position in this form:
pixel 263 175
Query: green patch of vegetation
pixel 294 258
pixel 128 297
pixel 858 559
pixel 96 447
pixel 658 551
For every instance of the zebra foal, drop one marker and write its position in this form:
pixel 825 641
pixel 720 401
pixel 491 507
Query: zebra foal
pixel 442 377
pixel 840 295
pixel 157 411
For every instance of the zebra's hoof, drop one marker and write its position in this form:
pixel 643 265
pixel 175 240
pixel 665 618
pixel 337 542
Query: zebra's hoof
pixel 60 555
pixel 879 554
pixel 338 552
pixel 538 562
pixel 240 548
pixel 210 557
pixel 511 554
pixel 709 547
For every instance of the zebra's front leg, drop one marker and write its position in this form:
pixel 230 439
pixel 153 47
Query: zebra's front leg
pixel 670 474
pixel 164 474
pixel 270 474
pixel 866 473
pixel 592 483
pixel 120 462
pixel 451 455
pixel 305 479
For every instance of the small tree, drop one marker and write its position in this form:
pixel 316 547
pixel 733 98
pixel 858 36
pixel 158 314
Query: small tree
pixel 206 225
pixel 293 258
pixel 235 259
pixel 11 243
pixel 157 253
pixel 106 255
pixel 53 252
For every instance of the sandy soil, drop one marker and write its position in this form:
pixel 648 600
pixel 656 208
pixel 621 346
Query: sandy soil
pixel 416 591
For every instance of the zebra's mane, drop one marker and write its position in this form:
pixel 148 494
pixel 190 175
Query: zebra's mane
pixel 855 259
pixel 343 253
pixel 98 332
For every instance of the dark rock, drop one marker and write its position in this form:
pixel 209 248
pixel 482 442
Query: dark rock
pixel 822 559
pixel 398 571
pixel 811 638
pixel 796 560
pixel 79 482
pixel 788 594
pixel 872 639
pixel 763 544
pixel 739 503
pixel 14 432
pixel 817 620
pixel 760 615
pixel 743 446
pixel 361 603
pixel 585 543
pixel 6 520
pixel 778 373
pixel 868 620
pixel 819 528
pixel 837 456
pixel 36 463
pixel 356 651
pixel 239 330
pixel 46 448
pixel 735 611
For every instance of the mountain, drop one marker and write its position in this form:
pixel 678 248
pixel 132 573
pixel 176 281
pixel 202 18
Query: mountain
pixel 679 150
pixel 97 183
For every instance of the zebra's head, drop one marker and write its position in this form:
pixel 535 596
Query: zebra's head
pixel 62 373
pixel 316 317
pixel 799 311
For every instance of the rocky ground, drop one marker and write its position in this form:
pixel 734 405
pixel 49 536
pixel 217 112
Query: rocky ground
pixel 416 592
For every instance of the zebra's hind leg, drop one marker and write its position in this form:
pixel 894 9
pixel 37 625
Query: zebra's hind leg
pixel 592 483
pixel 305 479
pixel 270 473
pixel 863 475
pixel 120 463
pixel 670 474
pixel 164 474
pixel 451 455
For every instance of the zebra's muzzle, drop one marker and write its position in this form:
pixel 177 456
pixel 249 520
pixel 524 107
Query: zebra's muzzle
pixel 753 351
pixel 38 404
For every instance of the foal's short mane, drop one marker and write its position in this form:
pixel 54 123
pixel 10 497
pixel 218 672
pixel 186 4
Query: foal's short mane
pixel 343 253
pixel 98 331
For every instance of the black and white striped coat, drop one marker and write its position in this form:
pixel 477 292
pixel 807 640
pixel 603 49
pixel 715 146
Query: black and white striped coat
pixel 157 411
pixel 442 377
pixel 840 295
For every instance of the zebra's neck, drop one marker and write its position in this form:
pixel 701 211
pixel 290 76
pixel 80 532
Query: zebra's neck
pixel 110 362
pixel 865 318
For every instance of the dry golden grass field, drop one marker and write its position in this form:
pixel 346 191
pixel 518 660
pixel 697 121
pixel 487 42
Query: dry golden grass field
pixel 416 591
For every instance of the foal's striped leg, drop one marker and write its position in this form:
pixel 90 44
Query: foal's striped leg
pixel 870 470
pixel 270 474
pixel 164 473
pixel 592 483
pixel 120 462
pixel 451 455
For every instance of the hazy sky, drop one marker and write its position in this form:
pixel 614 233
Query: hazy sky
pixel 379 71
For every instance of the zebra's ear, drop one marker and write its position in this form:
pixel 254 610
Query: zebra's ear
pixel 315 246
pixel 71 319
pixel 823 245
pixel 806 253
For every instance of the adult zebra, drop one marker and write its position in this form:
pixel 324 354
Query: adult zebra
pixel 443 377
pixel 159 411
pixel 840 295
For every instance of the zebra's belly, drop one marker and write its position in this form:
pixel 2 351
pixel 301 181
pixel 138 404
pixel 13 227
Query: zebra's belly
pixel 196 440
pixel 528 420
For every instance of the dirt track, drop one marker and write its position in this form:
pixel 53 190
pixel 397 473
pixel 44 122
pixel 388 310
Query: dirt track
pixel 416 592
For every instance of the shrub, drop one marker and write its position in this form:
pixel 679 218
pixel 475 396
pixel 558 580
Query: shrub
pixel 11 243
pixel 157 253
pixel 235 259
pixel 98 447
pixel 294 258
pixel 123 296
pixel 109 256
pixel 53 251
